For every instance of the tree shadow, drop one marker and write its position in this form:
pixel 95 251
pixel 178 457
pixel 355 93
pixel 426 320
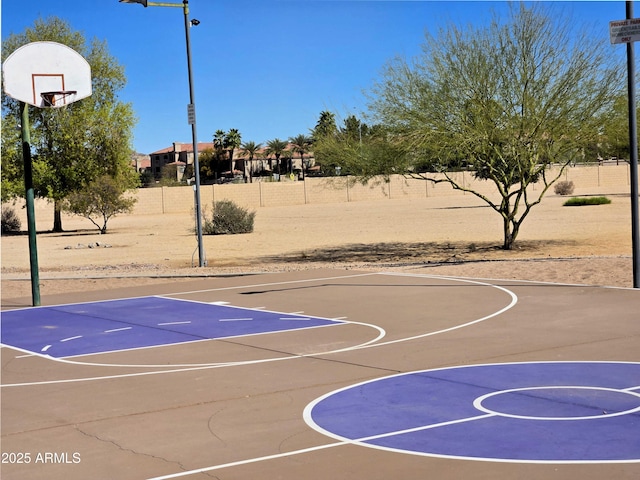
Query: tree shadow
pixel 417 252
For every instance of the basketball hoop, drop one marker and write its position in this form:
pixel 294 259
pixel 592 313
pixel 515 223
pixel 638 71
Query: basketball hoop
pixel 46 75
pixel 52 99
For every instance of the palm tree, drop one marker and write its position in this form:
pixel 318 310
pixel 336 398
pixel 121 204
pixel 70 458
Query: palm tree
pixel 218 140
pixel 218 147
pixel 232 140
pixel 275 147
pixel 301 144
pixel 250 148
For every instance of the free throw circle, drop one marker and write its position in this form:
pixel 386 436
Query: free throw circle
pixel 539 412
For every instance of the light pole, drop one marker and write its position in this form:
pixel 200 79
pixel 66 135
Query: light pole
pixel 191 109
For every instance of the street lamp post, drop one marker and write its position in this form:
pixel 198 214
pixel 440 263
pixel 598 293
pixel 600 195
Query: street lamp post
pixel 191 113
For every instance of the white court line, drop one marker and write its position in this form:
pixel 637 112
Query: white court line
pixel 45 348
pixel 235 319
pixel 320 447
pixel 173 323
pixel 369 344
pixel 295 318
pixel 118 330
pixel 184 367
pixel 71 338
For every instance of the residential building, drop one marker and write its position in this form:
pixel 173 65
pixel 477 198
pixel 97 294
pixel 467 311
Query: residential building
pixel 183 152
pixel 177 152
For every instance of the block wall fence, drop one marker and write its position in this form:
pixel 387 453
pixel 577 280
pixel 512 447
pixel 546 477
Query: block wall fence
pixel 327 190
pixel 316 190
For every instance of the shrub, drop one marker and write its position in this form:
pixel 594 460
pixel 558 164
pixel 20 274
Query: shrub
pixel 579 201
pixel 564 188
pixel 10 221
pixel 228 219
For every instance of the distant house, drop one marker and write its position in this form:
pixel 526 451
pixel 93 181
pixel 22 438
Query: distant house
pixel 183 152
pixel 140 162
pixel 290 161
pixel 178 152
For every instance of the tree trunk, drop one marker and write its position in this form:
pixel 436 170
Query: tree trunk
pixel 57 216
pixel 511 229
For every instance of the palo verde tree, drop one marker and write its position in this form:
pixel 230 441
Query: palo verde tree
pixel 615 132
pixel 506 101
pixel 74 145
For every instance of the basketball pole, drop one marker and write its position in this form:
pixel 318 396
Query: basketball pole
pixel 633 154
pixel 29 196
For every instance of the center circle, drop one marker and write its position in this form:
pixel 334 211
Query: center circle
pixel 559 403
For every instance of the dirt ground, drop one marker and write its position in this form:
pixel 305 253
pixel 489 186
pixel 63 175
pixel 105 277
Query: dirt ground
pixel 456 236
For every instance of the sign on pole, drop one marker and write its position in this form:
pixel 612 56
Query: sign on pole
pixel 191 114
pixel 628 31
pixel 624 31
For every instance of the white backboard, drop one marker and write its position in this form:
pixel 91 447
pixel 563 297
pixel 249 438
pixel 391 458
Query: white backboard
pixel 46 74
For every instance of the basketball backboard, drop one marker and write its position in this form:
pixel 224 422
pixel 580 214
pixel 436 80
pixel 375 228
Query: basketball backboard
pixel 46 74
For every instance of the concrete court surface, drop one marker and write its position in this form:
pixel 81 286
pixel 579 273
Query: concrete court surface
pixel 270 405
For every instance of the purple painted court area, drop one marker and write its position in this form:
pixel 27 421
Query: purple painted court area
pixel 530 412
pixel 88 328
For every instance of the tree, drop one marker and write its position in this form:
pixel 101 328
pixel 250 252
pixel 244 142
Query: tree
pixel 74 145
pixel 99 201
pixel 250 148
pixel 219 152
pixel 354 128
pixel 227 142
pixel 615 138
pixel 362 156
pixel 301 144
pixel 506 101
pixel 232 140
pixel 275 147
pixel 218 140
pixel 325 126
pixel 207 161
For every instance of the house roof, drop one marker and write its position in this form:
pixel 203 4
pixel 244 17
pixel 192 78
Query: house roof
pixel 183 147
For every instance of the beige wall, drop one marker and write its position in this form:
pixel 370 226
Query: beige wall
pixel 587 179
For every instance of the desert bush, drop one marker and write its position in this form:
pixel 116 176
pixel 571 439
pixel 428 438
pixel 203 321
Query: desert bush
pixel 564 188
pixel 579 201
pixel 10 221
pixel 228 219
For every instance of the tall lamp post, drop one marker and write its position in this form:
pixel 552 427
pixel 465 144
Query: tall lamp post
pixel 191 113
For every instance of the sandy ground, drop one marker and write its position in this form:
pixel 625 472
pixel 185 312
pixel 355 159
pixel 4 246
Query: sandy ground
pixel 457 236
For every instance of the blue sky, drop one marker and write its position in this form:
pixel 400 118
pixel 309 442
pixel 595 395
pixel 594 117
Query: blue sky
pixel 265 67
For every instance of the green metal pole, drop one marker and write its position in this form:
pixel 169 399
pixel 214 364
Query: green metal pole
pixel 633 156
pixel 29 195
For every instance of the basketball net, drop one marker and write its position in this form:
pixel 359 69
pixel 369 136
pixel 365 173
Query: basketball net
pixel 52 99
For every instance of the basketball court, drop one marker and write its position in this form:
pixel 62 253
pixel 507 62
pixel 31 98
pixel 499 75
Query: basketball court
pixel 324 374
